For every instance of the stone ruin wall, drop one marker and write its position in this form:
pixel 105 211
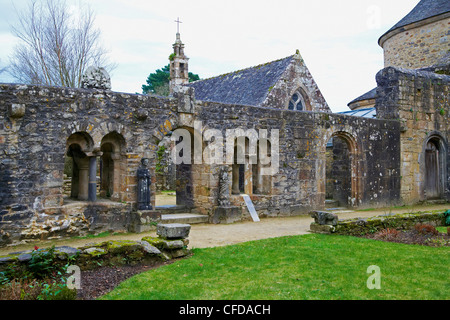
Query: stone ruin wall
pixel 420 100
pixel 299 185
pixel 36 122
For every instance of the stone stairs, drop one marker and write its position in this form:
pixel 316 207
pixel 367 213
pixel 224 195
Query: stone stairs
pixel 180 214
pixel 189 218
pixel 339 210
pixel 333 207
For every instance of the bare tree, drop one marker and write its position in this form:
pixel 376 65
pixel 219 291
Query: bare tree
pixel 2 69
pixel 56 45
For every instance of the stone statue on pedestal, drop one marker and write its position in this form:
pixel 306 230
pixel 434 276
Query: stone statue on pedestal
pixel 143 188
pixel 224 187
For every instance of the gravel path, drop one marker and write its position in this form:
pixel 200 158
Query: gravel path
pixel 210 235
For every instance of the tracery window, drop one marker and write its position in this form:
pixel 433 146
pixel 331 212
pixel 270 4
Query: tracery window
pixel 297 102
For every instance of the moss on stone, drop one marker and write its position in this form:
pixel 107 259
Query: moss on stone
pixel 154 241
pixel 359 226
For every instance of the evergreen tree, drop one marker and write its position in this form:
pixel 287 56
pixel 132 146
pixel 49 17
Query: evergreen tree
pixel 158 82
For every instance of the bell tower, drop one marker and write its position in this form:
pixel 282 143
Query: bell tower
pixel 179 74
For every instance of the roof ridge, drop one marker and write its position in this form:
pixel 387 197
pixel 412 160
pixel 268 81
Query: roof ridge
pixel 240 70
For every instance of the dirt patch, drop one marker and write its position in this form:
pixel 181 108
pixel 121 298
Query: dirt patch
pixel 100 281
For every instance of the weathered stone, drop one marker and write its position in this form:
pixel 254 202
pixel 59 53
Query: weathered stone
pixel 24 257
pixel 95 251
pixel 226 215
pixel 173 230
pixel 6 260
pixel 325 229
pixel 148 248
pixel 16 110
pixel 121 246
pixel 96 78
pixel 173 244
pixel 65 251
pixel 325 218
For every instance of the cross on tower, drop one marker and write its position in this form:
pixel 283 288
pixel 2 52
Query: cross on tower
pixel 178 24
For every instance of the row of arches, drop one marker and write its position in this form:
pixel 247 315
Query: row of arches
pixel 99 170
pixel 95 171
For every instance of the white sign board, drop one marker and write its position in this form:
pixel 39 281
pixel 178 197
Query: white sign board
pixel 250 207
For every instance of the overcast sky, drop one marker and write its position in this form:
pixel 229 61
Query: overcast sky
pixel 337 39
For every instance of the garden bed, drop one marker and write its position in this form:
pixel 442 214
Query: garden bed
pixel 421 234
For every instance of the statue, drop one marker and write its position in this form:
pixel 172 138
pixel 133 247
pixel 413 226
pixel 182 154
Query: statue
pixel 224 187
pixel 144 182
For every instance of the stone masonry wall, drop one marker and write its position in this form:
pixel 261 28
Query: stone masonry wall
pixel 36 122
pixel 299 185
pixel 418 47
pixel 420 100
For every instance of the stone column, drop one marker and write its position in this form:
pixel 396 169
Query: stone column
pixel 92 188
pixel 235 188
pixel 83 180
pixel 248 179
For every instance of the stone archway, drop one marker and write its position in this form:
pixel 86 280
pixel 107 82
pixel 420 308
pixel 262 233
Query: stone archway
pixel 112 165
pixel 434 167
pixel 343 170
pixel 79 148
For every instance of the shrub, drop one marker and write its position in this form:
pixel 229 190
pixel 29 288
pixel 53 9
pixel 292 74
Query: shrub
pixel 43 277
pixel 426 229
pixel 20 289
pixel 387 233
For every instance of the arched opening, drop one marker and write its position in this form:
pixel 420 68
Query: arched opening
pixel 174 168
pixel 342 172
pixel 435 168
pixel 112 164
pixel 242 171
pixel 107 171
pixel 77 164
pixel 165 172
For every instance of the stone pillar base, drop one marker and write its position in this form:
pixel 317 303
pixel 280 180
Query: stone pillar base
pixel 322 228
pixel 226 215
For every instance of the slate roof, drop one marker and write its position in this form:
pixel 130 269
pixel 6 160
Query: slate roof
pixel 245 87
pixel 423 10
pixel 372 94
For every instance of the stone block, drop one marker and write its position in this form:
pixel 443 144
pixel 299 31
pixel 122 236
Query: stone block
pixel 325 218
pixel 16 110
pixel 325 229
pixel 148 248
pixel 226 215
pixel 173 230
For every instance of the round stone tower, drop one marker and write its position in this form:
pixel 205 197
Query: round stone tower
pixel 421 38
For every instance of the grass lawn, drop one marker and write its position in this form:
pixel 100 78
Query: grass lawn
pixel 304 267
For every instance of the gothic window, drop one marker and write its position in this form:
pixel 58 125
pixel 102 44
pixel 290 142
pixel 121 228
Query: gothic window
pixel 297 102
